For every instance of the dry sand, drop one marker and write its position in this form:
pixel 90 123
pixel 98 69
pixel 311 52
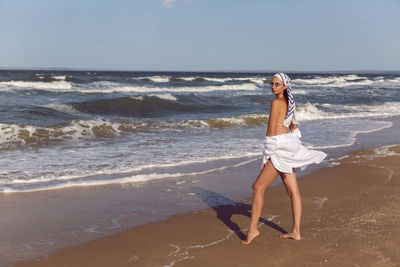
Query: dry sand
pixel 351 217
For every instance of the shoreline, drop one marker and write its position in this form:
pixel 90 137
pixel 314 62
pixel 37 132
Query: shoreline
pixel 350 217
pixel 39 223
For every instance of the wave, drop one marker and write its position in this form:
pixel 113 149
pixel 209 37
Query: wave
pixel 60 77
pixel 156 78
pixel 49 76
pixel 165 96
pixel 351 139
pixel 111 87
pixel 299 92
pixel 63 83
pixel 333 81
pixel 257 80
pixel 67 109
pixel 50 86
pixel 146 106
pixel 68 181
pixel 344 81
pixel 130 170
pixel 229 122
pixel 165 79
pixel 105 87
pixel 83 109
pixel 17 135
pixel 310 111
pixel 248 79
pixel 188 79
pixel 306 112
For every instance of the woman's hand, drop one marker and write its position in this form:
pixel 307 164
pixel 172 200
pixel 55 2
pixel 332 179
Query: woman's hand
pixel 293 127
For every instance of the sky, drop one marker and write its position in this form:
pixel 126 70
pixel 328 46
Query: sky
pixel 201 35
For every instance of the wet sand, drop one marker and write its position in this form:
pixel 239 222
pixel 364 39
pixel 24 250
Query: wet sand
pixel 351 217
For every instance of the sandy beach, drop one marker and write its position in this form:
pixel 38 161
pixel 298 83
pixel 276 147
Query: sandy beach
pixel 350 218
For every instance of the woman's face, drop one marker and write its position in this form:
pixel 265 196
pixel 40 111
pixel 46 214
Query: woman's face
pixel 277 86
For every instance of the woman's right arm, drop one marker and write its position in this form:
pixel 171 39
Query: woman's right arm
pixel 293 127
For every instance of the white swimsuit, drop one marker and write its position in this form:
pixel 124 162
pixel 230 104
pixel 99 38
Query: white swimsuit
pixel 286 152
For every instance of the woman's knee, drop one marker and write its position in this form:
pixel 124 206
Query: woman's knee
pixel 292 193
pixel 289 192
pixel 257 188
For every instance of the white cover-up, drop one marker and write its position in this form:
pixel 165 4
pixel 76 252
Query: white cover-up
pixel 286 152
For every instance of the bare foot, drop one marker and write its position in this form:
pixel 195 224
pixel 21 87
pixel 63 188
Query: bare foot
pixel 250 237
pixel 292 235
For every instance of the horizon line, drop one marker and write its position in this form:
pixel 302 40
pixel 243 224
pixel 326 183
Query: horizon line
pixel 177 70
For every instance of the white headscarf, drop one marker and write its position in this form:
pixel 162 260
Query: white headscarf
pixel 290 115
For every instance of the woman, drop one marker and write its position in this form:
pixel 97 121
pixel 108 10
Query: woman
pixel 282 153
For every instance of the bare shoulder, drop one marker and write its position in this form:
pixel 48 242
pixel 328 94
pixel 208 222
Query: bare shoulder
pixel 278 101
pixel 278 104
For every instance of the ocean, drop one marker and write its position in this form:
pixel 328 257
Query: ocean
pixel 62 128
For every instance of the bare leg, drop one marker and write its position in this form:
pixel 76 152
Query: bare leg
pixel 267 175
pixel 292 188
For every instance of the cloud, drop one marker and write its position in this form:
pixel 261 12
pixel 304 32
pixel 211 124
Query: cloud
pixel 169 3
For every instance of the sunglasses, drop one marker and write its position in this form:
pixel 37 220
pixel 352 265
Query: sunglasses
pixel 276 84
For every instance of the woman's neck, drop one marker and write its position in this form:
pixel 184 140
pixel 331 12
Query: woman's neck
pixel 280 96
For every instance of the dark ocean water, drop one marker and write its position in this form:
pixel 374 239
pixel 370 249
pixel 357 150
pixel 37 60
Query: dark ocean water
pixel 76 128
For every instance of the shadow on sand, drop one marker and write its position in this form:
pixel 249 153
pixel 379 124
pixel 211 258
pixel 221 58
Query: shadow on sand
pixel 225 208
